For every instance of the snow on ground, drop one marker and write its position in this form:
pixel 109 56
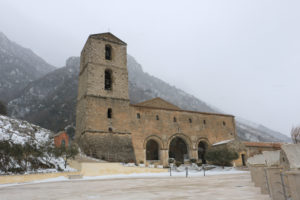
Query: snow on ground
pixel 19 132
pixel 191 173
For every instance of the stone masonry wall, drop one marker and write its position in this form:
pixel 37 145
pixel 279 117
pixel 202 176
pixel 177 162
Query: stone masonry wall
pixel 123 137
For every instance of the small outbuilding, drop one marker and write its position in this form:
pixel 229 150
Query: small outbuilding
pixel 61 139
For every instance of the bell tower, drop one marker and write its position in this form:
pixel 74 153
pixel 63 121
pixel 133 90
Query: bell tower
pixel 103 102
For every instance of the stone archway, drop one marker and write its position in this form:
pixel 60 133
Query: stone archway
pixel 152 150
pixel 202 148
pixel 178 149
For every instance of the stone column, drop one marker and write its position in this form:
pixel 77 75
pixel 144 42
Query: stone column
pixel 164 157
pixel 194 154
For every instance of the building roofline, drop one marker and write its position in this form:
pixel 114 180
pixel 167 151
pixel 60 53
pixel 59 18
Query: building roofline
pixel 263 144
pixel 98 36
pixel 156 98
pixel 188 111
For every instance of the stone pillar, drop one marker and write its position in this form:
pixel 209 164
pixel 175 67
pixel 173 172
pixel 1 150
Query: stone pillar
pixel 258 176
pixel 164 157
pixel 294 183
pixel 274 182
pixel 194 154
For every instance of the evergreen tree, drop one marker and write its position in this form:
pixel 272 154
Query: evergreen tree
pixel 4 156
pixel 222 156
pixel 3 110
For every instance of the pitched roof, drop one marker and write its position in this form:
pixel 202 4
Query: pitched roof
pixel 107 37
pixel 173 108
pixel 263 144
pixel 158 103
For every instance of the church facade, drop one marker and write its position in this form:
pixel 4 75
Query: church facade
pixel 110 128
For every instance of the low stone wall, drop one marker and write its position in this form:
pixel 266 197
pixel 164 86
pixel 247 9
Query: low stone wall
pixel 9 179
pixel 282 172
pixel 100 169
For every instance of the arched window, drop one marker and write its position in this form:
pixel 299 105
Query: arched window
pixel 190 120
pixel 108 80
pixel 108 52
pixel 157 117
pixel 174 119
pixel 109 113
pixel 138 115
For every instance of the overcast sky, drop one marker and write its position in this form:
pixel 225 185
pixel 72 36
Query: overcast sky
pixel 240 56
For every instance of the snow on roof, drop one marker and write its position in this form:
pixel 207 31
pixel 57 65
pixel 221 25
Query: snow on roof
pixel 222 142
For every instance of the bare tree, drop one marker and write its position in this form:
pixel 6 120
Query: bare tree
pixel 295 135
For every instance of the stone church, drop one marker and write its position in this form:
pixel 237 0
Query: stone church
pixel 110 128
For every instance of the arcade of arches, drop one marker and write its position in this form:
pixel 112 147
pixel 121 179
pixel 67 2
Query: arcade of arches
pixel 178 149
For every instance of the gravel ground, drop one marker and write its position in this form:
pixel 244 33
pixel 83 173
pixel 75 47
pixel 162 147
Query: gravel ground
pixel 214 187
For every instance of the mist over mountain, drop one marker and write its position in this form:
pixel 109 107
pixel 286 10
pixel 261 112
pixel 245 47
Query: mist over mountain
pixel 50 100
pixel 18 67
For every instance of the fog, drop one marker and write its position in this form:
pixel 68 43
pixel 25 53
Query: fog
pixel 242 57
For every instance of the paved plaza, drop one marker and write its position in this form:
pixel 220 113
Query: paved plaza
pixel 214 187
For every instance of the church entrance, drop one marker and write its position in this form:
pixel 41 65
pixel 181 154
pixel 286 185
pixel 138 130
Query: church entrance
pixel 202 147
pixel 178 149
pixel 152 150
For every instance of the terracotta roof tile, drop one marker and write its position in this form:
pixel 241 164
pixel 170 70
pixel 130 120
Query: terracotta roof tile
pixel 264 144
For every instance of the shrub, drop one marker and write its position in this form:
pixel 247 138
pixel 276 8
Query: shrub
pixel 222 156
pixel 171 160
pixel 178 163
pixel 141 162
pixel 193 160
pixel 67 152
pixel 5 153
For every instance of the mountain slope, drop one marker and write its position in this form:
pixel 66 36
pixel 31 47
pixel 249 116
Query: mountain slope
pixel 18 67
pixel 51 100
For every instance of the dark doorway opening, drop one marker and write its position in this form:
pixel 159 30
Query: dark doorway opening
pixel 178 149
pixel 243 160
pixel 202 147
pixel 152 150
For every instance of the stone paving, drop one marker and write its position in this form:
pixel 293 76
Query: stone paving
pixel 214 187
